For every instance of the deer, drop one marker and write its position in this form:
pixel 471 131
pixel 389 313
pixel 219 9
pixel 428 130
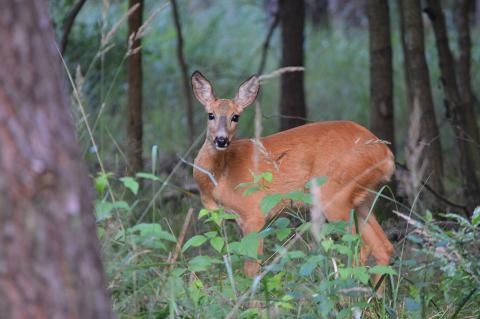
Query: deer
pixel 355 162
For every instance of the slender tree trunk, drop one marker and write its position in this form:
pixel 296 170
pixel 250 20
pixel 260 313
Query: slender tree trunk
pixel 406 61
pixel 292 98
pixel 135 85
pixel 318 11
pixel 184 71
pixel 424 154
pixel 455 105
pixel 381 71
pixel 463 12
pixel 68 23
pixel 50 265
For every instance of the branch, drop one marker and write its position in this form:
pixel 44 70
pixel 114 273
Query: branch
pixel 266 42
pixel 434 193
pixel 68 23
pixel 201 169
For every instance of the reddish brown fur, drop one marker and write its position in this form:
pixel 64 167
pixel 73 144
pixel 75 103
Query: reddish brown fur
pixel 352 158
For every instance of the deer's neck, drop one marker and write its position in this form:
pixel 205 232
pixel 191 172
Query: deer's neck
pixel 211 160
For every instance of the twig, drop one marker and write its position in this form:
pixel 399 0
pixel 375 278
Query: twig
pixel 68 23
pixel 280 71
pixel 201 169
pixel 181 237
pixel 266 42
pixel 434 193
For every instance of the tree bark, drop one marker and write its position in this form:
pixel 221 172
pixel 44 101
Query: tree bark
pixel 463 12
pixel 292 99
pixel 381 71
pixel 187 89
pixel 454 104
pixel 428 164
pixel 135 85
pixel 50 265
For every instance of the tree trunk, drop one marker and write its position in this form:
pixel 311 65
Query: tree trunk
pixel 68 24
pixel 381 72
pixel 318 11
pixel 406 61
pixel 454 104
pixel 292 98
pixel 50 265
pixel 187 89
pixel 423 154
pixel 463 12
pixel 135 123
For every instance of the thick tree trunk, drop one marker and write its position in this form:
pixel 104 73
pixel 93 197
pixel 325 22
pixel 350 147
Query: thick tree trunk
pixel 292 98
pixel 135 78
pixel 187 89
pixel 455 105
pixel 463 12
pixel 424 154
pixel 381 71
pixel 50 265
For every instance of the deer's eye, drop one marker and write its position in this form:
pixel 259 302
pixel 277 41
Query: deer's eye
pixel 211 116
pixel 235 117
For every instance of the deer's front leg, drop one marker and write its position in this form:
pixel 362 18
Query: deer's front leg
pixel 251 224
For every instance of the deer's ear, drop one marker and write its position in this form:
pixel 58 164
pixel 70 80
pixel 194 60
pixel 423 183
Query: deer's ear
pixel 202 89
pixel 247 92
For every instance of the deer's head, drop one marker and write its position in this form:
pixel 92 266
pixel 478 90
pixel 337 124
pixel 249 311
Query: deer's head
pixel 223 114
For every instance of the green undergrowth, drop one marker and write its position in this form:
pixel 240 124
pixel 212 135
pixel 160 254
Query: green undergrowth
pixel 435 272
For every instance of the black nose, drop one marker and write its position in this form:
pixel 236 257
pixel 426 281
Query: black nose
pixel 221 141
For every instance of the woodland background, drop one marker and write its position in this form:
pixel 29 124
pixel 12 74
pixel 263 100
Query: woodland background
pixel 408 70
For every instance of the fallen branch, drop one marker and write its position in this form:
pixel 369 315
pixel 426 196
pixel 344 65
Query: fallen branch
pixel 181 238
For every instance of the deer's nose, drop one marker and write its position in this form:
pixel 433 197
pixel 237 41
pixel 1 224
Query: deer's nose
pixel 221 141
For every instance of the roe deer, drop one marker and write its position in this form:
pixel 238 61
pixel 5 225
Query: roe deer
pixel 354 160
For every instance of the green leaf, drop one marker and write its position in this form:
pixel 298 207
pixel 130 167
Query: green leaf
pixel 211 234
pixel 152 230
pixel 246 184
pixel 217 243
pixel 103 210
pixel 318 180
pixel 283 233
pixel 147 176
pixel 350 237
pixel 148 235
pixel 295 254
pixel 476 216
pixel 267 176
pixel 101 182
pixel 203 212
pixel 195 241
pixel 269 202
pixel 130 183
pixel 251 190
pixel 249 245
pixel 282 222
pixel 307 268
pixel 201 263
pixel 299 196
pixel 342 249
pixel 382 269
pixel 327 244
